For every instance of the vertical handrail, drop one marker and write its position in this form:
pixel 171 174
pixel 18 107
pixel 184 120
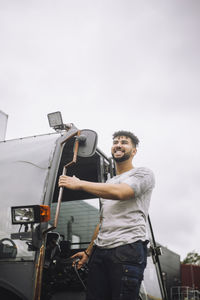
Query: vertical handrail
pixel 38 276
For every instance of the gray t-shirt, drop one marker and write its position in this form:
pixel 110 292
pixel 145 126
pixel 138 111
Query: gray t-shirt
pixel 124 221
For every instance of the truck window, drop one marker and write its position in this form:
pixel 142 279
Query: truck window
pixel 77 221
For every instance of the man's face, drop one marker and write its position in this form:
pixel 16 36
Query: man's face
pixel 122 149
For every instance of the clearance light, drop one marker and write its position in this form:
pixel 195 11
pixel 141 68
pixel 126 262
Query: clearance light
pixel 30 214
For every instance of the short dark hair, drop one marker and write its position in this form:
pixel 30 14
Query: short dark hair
pixel 129 134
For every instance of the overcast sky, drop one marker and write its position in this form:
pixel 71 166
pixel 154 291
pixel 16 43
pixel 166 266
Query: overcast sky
pixel 110 65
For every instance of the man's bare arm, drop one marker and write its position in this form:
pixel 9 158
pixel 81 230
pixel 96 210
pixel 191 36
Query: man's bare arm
pixel 121 191
pixel 90 247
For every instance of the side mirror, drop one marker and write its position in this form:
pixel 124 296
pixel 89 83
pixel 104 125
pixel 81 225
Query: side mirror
pixel 87 143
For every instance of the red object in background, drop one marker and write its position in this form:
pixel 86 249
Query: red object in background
pixel 190 276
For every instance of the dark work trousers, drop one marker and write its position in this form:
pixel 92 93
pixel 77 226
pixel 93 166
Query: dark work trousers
pixel 116 274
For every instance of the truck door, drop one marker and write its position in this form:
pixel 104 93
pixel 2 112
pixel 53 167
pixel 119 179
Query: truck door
pixel 78 218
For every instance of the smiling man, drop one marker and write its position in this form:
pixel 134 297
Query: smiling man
pixel 118 250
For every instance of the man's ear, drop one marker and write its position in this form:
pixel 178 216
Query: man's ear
pixel 134 151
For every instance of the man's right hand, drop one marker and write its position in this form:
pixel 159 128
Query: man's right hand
pixel 83 258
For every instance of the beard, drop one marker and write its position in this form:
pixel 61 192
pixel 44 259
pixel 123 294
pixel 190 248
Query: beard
pixel 123 158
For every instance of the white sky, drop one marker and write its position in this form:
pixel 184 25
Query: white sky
pixel 111 65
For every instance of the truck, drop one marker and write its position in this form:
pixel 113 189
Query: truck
pixel 42 225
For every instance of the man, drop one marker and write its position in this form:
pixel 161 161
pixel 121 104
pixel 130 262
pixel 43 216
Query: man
pixel 118 248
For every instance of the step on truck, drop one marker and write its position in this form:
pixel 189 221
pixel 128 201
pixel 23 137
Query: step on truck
pixel 42 225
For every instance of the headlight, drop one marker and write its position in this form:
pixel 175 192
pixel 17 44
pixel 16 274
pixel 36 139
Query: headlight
pixel 30 214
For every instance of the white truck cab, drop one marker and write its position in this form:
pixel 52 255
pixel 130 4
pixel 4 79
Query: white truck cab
pixel 41 226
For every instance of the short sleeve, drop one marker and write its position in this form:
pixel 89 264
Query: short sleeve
pixel 141 181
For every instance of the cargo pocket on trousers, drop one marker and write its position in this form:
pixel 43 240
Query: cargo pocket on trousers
pixel 131 281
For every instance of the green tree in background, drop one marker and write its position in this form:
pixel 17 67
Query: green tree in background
pixel 192 258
